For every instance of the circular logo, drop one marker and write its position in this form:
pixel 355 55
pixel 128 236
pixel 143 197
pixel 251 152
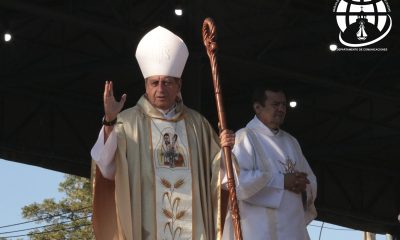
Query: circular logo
pixel 362 22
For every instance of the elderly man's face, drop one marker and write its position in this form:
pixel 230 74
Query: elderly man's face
pixel 162 91
pixel 272 114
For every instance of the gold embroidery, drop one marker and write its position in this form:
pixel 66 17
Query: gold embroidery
pixel 165 183
pixel 168 214
pixel 179 183
pixel 289 166
pixel 171 208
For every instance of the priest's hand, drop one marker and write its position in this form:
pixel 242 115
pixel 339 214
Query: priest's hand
pixel 227 138
pixel 296 182
pixel 111 106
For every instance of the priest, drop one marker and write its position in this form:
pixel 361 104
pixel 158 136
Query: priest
pixel 156 171
pixel 276 187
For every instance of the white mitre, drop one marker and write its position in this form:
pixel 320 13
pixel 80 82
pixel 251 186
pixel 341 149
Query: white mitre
pixel 161 52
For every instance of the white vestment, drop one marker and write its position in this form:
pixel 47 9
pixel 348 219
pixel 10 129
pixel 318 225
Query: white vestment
pixel 267 210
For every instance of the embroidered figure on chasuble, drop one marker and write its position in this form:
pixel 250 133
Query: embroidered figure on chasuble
pixel 170 151
pixel 173 179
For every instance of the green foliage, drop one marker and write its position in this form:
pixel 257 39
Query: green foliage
pixel 70 218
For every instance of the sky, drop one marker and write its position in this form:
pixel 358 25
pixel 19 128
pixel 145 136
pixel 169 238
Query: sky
pixel 23 184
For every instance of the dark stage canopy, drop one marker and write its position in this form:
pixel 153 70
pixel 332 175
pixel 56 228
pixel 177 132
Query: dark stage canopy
pixel 347 119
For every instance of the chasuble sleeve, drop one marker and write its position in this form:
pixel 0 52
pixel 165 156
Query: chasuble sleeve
pixel 108 222
pixel 103 154
pixel 257 183
pixel 311 190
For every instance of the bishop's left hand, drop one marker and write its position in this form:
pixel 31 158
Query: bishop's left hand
pixel 227 138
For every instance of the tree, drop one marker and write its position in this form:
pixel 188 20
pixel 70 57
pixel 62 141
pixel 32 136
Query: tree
pixel 70 218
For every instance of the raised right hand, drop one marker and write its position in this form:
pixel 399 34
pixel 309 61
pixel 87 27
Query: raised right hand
pixel 111 106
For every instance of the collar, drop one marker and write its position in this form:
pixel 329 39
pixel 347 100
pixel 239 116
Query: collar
pixel 257 125
pixel 168 114
pixel 173 114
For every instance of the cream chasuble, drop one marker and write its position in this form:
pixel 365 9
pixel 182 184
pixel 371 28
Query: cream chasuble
pixel 167 183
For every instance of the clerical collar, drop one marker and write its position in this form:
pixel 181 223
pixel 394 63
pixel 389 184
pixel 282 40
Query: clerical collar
pixel 168 114
pixel 274 131
pixel 260 125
